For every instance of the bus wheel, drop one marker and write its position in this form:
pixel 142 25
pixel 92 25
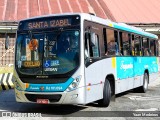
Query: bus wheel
pixel 106 95
pixel 145 83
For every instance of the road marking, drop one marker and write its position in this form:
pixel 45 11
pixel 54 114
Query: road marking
pixel 140 98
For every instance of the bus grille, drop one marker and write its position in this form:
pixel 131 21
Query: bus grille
pixel 44 81
pixel 51 98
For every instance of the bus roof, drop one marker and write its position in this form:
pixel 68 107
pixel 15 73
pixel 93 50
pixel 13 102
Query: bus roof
pixel 107 22
pixel 123 26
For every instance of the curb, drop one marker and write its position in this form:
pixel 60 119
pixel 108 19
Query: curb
pixel 6 81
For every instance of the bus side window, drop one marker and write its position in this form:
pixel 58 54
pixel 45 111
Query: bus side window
pixel 125 43
pixel 95 47
pixel 86 49
pixel 157 47
pixel 110 42
pixel 136 45
pixel 91 45
pixel 146 46
pixel 152 47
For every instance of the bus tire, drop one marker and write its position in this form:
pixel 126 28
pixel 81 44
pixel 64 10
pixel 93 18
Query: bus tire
pixel 106 95
pixel 144 87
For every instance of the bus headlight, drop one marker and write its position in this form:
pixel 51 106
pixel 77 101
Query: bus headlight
pixel 74 84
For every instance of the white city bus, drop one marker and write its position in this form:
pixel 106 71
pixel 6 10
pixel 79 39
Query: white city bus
pixel 80 58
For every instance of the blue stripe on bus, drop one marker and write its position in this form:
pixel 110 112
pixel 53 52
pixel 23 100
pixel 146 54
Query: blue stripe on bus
pixel 49 87
pixel 128 67
pixel 134 31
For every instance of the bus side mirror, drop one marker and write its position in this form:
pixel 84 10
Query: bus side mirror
pixel 7 42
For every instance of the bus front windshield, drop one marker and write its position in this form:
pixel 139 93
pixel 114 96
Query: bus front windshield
pixel 49 53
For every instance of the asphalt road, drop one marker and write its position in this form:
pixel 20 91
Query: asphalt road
pixel 128 101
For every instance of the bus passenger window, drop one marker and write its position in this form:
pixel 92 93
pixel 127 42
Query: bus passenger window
pixel 125 43
pixel 152 47
pixel 146 47
pixel 91 45
pixel 157 47
pixel 136 46
pixel 111 45
pixel 95 47
pixel 86 49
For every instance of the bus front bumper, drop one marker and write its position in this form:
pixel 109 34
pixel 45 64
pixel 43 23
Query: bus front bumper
pixel 73 97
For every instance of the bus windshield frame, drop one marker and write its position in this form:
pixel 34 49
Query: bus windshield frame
pixel 48 45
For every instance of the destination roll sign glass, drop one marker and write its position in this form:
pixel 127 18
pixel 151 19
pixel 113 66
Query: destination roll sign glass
pixel 49 22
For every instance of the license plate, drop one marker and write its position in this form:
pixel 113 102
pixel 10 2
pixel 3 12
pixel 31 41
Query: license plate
pixel 42 101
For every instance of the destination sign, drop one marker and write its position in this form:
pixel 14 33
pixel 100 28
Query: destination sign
pixel 32 63
pixel 49 22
